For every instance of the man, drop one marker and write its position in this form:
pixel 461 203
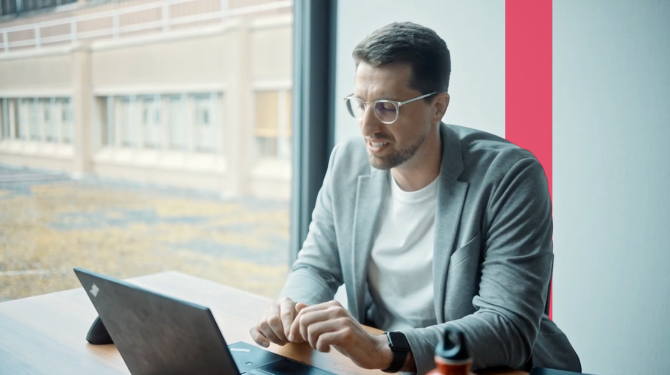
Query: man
pixel 427 225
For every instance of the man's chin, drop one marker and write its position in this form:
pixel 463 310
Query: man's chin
pixel 378 162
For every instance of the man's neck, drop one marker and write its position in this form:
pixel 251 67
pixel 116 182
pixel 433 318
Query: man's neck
pixel 421 169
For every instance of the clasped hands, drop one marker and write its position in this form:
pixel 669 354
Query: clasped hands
pixel 323 326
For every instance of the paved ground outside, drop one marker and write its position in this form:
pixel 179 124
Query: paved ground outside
pixel 50 223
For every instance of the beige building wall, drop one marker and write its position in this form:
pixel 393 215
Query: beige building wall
pixel 23 77
pixel 169 60
pixel 30 71
pixel 270 60
pixel 220 68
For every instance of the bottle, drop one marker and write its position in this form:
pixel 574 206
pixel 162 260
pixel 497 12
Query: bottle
pixel 451 354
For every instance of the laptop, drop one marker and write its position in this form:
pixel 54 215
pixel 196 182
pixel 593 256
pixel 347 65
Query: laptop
pixel 157 334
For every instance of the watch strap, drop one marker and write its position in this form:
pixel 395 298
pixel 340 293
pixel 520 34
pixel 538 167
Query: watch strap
pixel 400 347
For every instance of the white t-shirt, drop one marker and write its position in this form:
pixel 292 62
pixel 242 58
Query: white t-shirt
pixel 400 272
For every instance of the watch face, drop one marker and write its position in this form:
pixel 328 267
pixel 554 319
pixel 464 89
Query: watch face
pixel 398 341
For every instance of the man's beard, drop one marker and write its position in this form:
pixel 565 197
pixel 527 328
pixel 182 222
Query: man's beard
pixel 396 158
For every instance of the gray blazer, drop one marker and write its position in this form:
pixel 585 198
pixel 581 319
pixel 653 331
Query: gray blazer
pixel 492 252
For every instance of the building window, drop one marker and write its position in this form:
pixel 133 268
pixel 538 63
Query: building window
pixel 65 112
pixel 206 123
pixel 179 122
pixel 151 121
pixel 272 111
pixel 176 117
pixel 125 109
pixel 47 111
pixel 21 6
pixel 37 119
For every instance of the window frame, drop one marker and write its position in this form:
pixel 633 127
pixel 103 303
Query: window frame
pixel 313 103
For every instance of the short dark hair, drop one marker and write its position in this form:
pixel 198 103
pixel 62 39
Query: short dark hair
pixel 418 46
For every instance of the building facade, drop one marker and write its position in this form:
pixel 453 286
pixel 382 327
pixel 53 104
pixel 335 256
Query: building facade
pixel 189 93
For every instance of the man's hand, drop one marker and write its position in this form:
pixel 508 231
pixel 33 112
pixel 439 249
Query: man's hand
pixel 274 324
pixel 329 325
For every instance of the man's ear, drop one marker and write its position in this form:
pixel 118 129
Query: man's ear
pixel 440 106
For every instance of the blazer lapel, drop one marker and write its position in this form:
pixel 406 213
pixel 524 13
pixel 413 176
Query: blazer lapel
pixel 450 200
pixel 369 200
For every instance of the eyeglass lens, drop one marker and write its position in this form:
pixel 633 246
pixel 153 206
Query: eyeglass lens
pixel 386 112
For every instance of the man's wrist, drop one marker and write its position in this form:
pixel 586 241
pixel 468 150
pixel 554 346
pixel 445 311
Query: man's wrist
pixel 385 354
pixel 400 351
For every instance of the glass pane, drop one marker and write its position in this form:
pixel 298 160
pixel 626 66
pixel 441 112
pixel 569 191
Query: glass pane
pixel 48 120
pixel 289 112
pixel 205 123
pixel 126 114
pixel 189 167
pixel 13 118
pixel 107 128
pixel 4 118
pixel 267 122
pixel 34 112
pixel 151 121
pixel 175 115
pixel 64 107
pixel 267 113
pixel 23 120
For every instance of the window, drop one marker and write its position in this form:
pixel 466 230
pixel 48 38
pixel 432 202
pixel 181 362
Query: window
pixel 20 6
pixel 65 112
pixel 44 120
pixel 8 118
pixel 49 115
pixel 176 117
pixel 273 123
pixel 206 122
pixel 151 121
pixel 170 177
pixel 7 7
pixel 125 111
pixel 180 122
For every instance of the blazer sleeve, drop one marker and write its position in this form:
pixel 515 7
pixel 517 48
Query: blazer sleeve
pixel 316 274
pixel 515 275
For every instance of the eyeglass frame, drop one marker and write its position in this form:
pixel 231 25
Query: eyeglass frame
pixel 396 103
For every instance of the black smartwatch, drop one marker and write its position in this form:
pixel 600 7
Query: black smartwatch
pixel 400 347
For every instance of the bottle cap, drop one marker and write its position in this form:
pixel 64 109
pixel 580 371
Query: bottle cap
pixel 453 347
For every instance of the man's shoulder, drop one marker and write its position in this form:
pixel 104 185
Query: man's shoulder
pixel 486 154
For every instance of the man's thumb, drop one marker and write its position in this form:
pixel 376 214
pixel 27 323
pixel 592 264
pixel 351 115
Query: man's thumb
pixel 299 306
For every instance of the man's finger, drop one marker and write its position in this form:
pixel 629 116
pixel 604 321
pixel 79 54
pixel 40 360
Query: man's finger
pixel 294 332
pixel 316 329
pixel 299 306
pixel 327 339
pixel 265 330
pixel 258 337
pixel 287 312
pixel 305 319
pixel 275 322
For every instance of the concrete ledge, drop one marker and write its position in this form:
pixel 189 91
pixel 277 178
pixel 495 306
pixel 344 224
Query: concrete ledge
pixel 186 179
pixel 37 161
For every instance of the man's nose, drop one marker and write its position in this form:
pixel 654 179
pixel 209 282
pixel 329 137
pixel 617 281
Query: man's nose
pixel 369 124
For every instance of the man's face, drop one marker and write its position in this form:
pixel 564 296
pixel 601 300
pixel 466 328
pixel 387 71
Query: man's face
pixel 391 145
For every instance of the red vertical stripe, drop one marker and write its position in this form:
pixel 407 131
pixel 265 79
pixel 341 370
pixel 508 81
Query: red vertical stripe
pixel 528 78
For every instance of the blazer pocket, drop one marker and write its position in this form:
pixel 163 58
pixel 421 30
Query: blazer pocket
pixel 465 252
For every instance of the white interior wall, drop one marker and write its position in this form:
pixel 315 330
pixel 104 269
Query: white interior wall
pixel 612 182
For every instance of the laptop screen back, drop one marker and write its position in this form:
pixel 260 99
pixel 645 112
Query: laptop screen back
pixel 156 334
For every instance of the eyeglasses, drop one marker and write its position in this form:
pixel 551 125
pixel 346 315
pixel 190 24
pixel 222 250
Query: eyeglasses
pixel 385 110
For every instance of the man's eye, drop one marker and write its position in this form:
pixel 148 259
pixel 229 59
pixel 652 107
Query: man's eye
pixel 385 106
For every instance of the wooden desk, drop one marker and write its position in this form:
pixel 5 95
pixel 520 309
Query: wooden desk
pixel 46 334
